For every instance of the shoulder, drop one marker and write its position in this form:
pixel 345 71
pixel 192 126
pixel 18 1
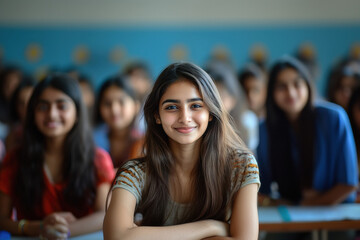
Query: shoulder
pixel 243 159
pixel 8 172
pixel 245 169
pixel 104 166
pixel 328 109
pixel 131 177
pixel 329 113
pixel 135 168
pixel 101 157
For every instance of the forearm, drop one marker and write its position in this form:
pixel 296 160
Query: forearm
pixel 334 196
pixel 187 231
pixel 30 228
pixel 88 224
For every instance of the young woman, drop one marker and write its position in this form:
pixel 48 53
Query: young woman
pixel 354 116
pixel 18 106
pixel 57 181
pixel 306 148
pixel 10 77
pixel 253 80
pixel 233 98
pixel 117 109
pixel 197 179
pixel 344 78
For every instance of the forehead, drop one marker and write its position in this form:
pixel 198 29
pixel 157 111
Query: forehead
pixel 114 91
pixel 288 75
pixel 253 81
pixel 51 94
pixel 181 89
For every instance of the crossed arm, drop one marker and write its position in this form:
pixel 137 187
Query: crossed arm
pixel 119 221
pixel 60 223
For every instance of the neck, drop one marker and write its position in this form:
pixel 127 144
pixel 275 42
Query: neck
pixel 55 146
pixel 293 118
pixel 186 157
pixel 119 133
pixel 54 159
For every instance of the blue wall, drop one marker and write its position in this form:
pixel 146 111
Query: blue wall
pixel 152 44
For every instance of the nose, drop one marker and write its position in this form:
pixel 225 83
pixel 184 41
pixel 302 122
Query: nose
pixel 115 107
pixel 53 112
pixel 185 115
pixel 291 92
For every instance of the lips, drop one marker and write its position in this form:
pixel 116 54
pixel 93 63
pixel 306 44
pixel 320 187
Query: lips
pixel 185 129
pixel 51 124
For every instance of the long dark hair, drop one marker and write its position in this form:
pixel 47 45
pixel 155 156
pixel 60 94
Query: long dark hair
pixel 26 82
pixel 78 168
pixel 355 103
pixel 282 161
pixel 213 171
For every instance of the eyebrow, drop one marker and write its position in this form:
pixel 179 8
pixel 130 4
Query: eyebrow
pixel 56 101
pixel 178 101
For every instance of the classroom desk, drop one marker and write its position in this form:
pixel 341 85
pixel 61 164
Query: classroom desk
pixel 90 236
pixel 318 220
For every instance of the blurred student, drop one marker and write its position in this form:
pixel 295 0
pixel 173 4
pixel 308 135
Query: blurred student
pixel 306 148
pixel 197 179
pixel 253 81
pixel 57 180
pixel 88 95
pixel 117 109
pixel 344 78
pixel 138 75
pixel 87 90
pixel 10 78
pixel 234 102
pixel 18 105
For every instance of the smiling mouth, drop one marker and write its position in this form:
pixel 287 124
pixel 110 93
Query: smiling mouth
pixel 52 124
pixel 185 129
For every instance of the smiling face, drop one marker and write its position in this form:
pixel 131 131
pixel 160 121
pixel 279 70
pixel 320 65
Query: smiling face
pixel 291 92
pixel 117 108
pixel 182 113
pixel 55 113
pixel 255 90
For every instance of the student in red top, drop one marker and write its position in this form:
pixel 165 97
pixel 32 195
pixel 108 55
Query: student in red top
pixel 57 181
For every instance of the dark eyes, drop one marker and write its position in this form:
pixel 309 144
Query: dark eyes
pixel 46 107
pixel 171 107
pixel 196 106
pixel 43 107
pixel 174 107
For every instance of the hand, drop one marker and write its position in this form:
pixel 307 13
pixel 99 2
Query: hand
pixel 222 228
pixel 56 226
pixel 69 217
pixel 308 197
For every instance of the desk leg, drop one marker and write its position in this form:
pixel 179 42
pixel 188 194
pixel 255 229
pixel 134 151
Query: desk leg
pixel 324 234
pixel 315 235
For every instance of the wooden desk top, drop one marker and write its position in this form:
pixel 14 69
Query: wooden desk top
pixel 309 226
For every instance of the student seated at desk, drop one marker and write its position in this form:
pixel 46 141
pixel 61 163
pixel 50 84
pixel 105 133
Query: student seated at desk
pixel 306 148
pixel 57 181
pixel 196 176
pixel 117 109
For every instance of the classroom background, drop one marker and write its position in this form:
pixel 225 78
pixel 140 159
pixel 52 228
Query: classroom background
pixel 101 37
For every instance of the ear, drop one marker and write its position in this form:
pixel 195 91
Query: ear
pixel 157 119
pixel 210 118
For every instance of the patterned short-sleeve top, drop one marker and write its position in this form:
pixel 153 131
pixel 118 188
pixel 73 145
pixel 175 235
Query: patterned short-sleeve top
pixel 132 178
